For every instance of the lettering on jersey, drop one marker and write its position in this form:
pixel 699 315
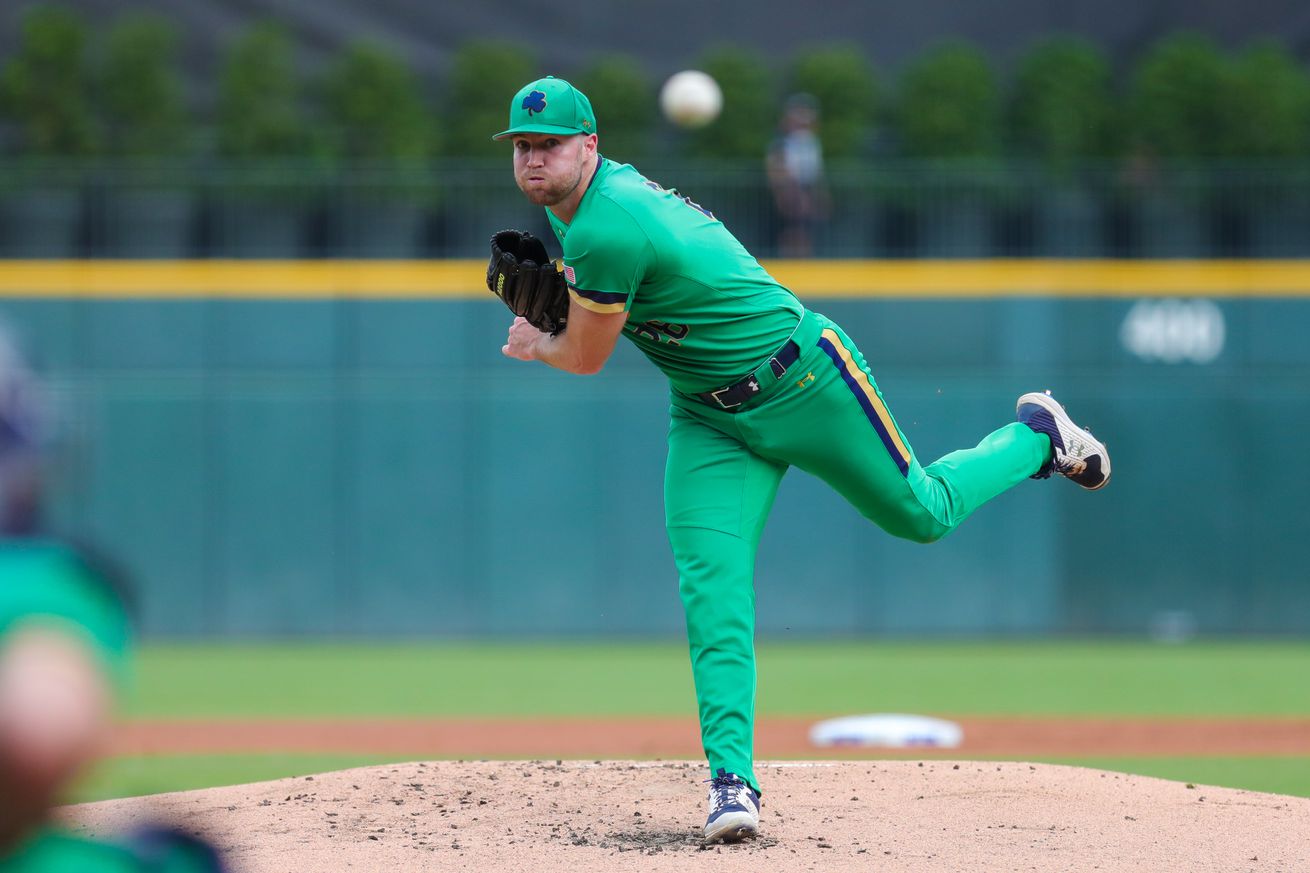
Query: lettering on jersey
pixel 661 331
pixel 535 102
pixel 655 186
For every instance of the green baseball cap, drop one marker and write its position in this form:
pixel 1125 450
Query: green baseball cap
pixel 549 105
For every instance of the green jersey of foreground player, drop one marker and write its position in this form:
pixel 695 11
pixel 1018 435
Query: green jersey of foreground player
pixel 64 643
pixel 759 383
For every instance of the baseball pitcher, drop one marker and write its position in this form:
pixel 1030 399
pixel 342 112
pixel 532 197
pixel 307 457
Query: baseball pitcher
pixel 758 384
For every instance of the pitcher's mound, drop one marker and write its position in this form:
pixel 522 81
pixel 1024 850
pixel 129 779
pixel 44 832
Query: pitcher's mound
pixel 576 816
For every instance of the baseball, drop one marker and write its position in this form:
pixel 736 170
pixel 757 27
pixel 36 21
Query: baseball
pixel 691 99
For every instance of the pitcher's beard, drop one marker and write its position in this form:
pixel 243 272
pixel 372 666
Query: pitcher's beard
pixel 551 195
pixel 541 197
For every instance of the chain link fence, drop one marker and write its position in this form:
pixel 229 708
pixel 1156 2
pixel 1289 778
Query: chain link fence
pixel 896 209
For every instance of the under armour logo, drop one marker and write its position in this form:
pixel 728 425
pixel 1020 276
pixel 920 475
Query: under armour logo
pixel 809 377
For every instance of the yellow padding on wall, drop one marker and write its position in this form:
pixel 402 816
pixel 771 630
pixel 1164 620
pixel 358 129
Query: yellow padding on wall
pixel 240 279
pixel 465 279
pixel 1036 277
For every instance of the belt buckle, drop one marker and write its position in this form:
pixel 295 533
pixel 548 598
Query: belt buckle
pixel 750 383
pixel 719 400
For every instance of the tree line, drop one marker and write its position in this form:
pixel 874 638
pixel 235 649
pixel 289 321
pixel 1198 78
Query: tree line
pixel 70 91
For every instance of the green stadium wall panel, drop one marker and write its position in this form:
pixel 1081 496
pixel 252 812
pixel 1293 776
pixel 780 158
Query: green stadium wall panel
pixel 371 466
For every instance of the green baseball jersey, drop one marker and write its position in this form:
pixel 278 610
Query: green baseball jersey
pixel 54 851
pixel 699 306
pixel 45 582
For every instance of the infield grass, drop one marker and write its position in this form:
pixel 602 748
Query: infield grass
pixel 1055 678
pixel 1084 678
pixel 129 777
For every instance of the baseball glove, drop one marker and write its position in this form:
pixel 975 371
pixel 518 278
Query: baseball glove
pixel 522 274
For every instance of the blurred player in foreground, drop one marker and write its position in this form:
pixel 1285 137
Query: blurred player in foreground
pixel 64 638
pixel 759 384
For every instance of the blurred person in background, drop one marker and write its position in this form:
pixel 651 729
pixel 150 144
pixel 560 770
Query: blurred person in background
pixel 795 169
pixel 64 650
pixel 24 425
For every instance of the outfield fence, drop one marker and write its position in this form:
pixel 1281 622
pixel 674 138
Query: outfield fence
pixel 890 209
pixel 283 448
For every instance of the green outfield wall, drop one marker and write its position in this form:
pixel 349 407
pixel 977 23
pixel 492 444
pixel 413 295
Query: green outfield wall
pixel 340 448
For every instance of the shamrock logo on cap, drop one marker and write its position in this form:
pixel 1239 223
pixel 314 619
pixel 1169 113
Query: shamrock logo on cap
pixel 535 102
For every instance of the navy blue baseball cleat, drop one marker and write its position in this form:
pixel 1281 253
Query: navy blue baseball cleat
pixel 734 809
pixel 1076 454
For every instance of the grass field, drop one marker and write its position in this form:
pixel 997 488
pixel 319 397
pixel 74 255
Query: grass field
pixel 1089 678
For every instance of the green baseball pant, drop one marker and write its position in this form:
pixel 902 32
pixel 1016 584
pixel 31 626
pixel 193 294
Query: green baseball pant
pixel 826 416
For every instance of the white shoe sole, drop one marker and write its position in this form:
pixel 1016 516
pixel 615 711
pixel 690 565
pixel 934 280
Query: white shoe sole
pixel 732 827
pixel 1064 422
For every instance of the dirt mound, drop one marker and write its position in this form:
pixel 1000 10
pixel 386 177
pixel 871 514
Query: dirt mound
pixel 888 815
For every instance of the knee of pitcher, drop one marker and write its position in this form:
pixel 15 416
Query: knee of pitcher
pixel 923 529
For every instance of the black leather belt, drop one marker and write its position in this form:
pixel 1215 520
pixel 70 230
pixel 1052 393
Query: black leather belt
pixel 732 396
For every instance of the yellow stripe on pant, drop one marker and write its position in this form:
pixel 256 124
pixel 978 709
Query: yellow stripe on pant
pixel 872 402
